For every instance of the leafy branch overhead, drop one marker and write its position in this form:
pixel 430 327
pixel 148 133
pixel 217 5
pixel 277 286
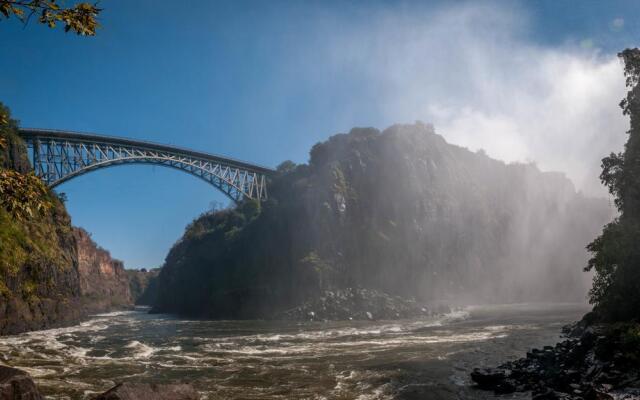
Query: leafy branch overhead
pixel 81 18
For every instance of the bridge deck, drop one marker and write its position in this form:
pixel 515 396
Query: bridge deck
pixel 81 136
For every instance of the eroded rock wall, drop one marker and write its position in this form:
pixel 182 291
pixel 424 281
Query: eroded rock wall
pixel 400 211
pixel 104 283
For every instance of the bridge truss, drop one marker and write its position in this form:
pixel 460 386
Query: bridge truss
pixel 59 156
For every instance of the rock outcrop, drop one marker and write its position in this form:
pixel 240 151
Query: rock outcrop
pixel 143 391
pixel 594 363
pixel 356 304
pixel 39 282
pixel 16 384
pixel 143 285
pixel 104 283
pixel 401 212
pixel 51 274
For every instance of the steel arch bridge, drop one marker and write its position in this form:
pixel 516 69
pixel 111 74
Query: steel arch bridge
pixel 59 156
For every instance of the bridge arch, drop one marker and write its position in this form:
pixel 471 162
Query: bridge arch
pixel 59 156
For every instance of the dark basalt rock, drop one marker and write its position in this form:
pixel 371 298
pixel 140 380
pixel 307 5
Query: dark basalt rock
pixel 16 384
pixel 144 391
pixel 489 377
pixel 358 304
pixel 587 366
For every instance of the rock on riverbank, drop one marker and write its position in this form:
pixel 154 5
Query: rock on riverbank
pixel 143 391
pixel 357 304
pixel 17 384
pixel 594 363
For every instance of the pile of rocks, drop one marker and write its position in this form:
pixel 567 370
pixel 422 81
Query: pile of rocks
pixel 592 364
pixel 17 384
pixel 144 391
pixel 357 304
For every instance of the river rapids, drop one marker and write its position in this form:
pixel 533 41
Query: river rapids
pixel 409 359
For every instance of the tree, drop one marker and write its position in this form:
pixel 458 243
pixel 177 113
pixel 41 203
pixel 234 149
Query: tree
pixel 81 18
pixel 616 252
pixel 286 167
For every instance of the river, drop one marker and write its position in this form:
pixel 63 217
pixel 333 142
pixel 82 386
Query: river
pixel 409 359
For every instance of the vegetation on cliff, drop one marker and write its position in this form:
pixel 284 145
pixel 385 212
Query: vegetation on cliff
pixel 50 272
pixel 399 212
pixel 38 282
pixel 616 252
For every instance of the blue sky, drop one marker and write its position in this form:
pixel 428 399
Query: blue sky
pixel 265 80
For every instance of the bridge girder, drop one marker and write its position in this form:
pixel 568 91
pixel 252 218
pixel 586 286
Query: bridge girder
pixel 59 156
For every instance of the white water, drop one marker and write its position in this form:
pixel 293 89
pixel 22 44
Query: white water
pixel 278 360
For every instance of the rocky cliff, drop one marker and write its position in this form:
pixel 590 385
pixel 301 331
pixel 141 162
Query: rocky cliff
pixel 39 282
pixel 143 285
pixel 104 283
pixel 51 274
pixel 400 212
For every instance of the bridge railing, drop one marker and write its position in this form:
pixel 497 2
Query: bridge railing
pixel 60 155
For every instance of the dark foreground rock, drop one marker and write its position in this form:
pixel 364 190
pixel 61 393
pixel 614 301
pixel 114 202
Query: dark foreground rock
pixel 594 363
pixel 144 391
pixel 357 304
pixel 16 384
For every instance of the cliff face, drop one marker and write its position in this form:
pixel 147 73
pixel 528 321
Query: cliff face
pixel 400 211
pixel 39 286
pixel 39 282
pixel 104 283
pixel 51 274
pixel 143 285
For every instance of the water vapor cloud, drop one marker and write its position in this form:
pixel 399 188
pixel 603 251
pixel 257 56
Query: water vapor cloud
pixel 476 74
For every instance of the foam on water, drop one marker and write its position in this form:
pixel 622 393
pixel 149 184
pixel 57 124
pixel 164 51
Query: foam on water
pixel 140 350
pixel 232 359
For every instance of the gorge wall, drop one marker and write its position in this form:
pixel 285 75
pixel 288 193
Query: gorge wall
pixel 399 211
pixel 51 274
pixel 39 282
pixel 104 283
pixel 143 285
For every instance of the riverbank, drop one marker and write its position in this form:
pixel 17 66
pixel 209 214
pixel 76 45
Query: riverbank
pixel 598 362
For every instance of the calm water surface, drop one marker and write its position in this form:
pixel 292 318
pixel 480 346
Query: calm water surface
pixel 426 358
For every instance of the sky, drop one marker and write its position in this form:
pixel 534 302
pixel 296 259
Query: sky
pixel 262 81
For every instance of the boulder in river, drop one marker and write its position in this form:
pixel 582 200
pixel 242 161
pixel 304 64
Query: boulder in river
pixel 17 384
pixel 146 391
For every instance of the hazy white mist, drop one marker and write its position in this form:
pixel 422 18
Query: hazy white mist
pixel 471 71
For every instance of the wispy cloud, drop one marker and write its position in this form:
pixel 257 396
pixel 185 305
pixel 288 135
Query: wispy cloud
pixel 617 24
